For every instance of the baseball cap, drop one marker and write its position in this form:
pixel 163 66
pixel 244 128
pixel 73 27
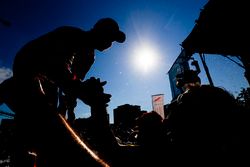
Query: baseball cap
pixel 110 27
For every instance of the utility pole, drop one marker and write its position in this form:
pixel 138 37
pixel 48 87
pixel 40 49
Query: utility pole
pixel 202 56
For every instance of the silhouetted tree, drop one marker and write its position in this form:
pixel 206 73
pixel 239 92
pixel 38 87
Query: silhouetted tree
pixel 243 98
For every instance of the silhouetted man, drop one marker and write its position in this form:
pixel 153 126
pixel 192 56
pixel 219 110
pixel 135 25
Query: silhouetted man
pixel 187 80
pixel 58 62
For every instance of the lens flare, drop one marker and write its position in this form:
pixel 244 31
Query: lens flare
pixel 145 59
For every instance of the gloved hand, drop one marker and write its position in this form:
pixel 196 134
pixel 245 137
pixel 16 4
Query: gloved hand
pixel 91 92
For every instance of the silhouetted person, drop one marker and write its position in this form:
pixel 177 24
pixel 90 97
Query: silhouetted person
pixel 188 79
pixel 203 128
pixel 149 127
pixel 150 145
pixel 58 61
pixel 185 81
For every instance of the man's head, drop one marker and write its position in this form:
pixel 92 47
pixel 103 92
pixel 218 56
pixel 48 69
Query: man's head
pixel 187 78
pixel 106 31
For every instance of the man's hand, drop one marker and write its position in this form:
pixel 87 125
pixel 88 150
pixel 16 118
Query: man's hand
pixel 92 93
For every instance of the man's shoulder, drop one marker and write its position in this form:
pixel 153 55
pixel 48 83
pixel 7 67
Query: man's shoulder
pixel 68 30
pixel 66 33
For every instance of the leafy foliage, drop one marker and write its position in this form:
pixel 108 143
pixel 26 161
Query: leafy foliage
pixel 243 97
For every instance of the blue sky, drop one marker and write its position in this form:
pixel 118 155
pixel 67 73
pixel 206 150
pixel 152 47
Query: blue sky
pixel 158 25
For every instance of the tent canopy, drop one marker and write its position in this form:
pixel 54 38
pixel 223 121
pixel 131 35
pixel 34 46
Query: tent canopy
pixel 222 28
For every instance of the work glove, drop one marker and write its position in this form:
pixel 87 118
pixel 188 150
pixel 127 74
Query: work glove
pixel 91 92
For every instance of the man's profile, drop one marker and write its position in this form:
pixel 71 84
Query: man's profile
pixel 57 61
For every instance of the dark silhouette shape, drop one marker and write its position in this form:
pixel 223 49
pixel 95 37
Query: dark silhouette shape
pixel 149 149
pixel 151 140
pixel 218 30
pixel 149 127
pixel 204 127
pixel 187 78
pixel 5 22
pixel 185 81
pixel 66 107
pixel 57 62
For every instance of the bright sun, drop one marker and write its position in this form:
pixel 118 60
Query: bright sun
pixel 145 59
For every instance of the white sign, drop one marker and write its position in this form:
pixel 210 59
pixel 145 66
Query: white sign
pixel 158 104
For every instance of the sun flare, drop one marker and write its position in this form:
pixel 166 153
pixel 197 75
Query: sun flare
pixel 145 59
